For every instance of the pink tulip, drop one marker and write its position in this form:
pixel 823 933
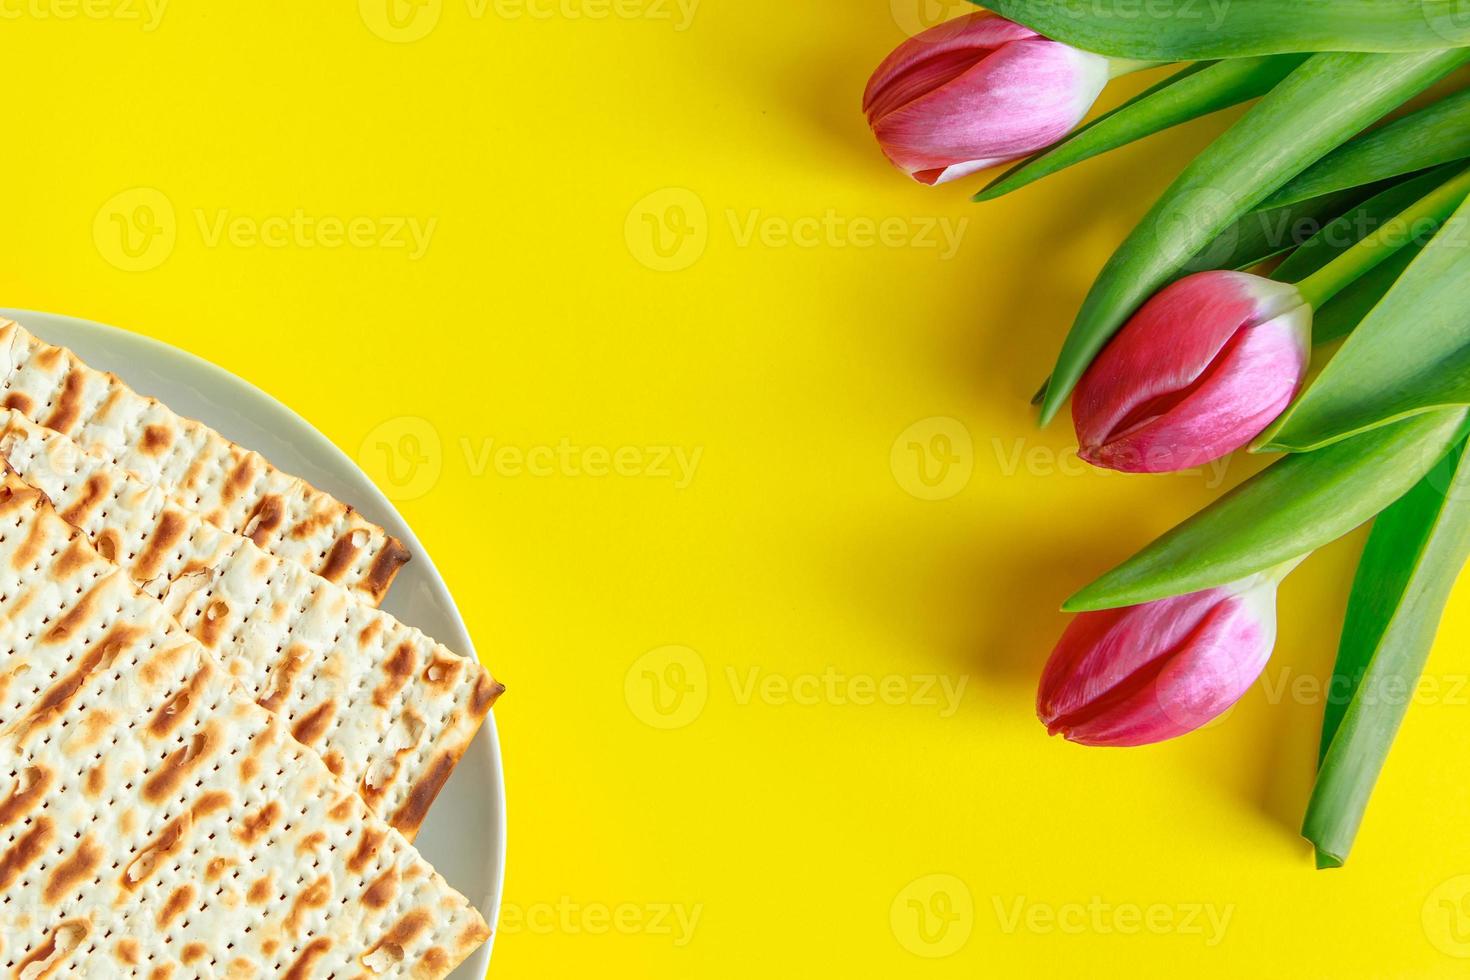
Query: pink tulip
pixel 977 91
pixel 1201 370
pixel 1143 674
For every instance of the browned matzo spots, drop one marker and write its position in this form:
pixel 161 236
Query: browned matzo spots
pixel 305 963
pixel 28 848
pixel 443 673
pixel 283 676
pixel 415 808
pixel 99 656
pixel 32 785
pixel 77 557
pixel 194 953
pixel 316 896
pixel 46 959
pixel 175 711
pixel 178 903
pixel 163 784
pixel 339 558
pixel 314 522
pixel 370 631
pixel 211 627
pixel 79 615
pixel 168 842
pixel 407 929
pixel 94 491
pixel 30 547
pixel 261 890
pixel 384 569
pixel 398 668
pixel 381 893
pixel 95 781
pixel 129 952
pixel 239 479
pixel 21 403
pixel 156 440
pixel 77 867
pixel 310 728
pixel 256 825
pixel 108 544
pixel 367 851
pixel 67 406
pixel 168 532
pixel 268 515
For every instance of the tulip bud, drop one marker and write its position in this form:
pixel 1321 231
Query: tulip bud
pixel 1198 372
pixel 1143 674
pixel 977 91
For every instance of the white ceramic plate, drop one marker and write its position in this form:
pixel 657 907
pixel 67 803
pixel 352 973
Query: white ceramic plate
pixel 464 836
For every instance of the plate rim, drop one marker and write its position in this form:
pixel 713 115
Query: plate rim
pixel 489 905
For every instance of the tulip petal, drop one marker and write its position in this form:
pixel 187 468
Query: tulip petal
pixel 1024 96
pixel 1190 371
pixel 1153 672
pixel 968 38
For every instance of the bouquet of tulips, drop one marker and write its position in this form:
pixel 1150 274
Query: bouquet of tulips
pixel 1335 209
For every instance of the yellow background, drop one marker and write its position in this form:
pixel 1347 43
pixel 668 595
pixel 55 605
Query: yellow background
pixel 796 326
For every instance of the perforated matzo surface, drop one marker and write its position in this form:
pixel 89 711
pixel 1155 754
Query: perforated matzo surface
pixel 230 486
pixel 156 823
pixel 391 711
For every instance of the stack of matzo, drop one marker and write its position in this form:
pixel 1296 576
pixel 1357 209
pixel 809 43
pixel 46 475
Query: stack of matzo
pixel 229 486
pixel 230 797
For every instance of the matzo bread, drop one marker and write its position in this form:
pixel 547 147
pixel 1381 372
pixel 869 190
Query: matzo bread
pixel 232 487
pixel 155 822
pixel 390 710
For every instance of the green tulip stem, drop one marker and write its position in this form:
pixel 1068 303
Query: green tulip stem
pixel 1394 234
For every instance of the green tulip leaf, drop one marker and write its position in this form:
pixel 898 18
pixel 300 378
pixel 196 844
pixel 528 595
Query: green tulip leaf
pixel 1321 104
pixel 1436 134
pixel 1191 30
pixel 1194 92
pixel 1411 561
pixel 1410 354
pixel 1260 235
pixel 1288 510
pixel 1347 230
pixel 1345 311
